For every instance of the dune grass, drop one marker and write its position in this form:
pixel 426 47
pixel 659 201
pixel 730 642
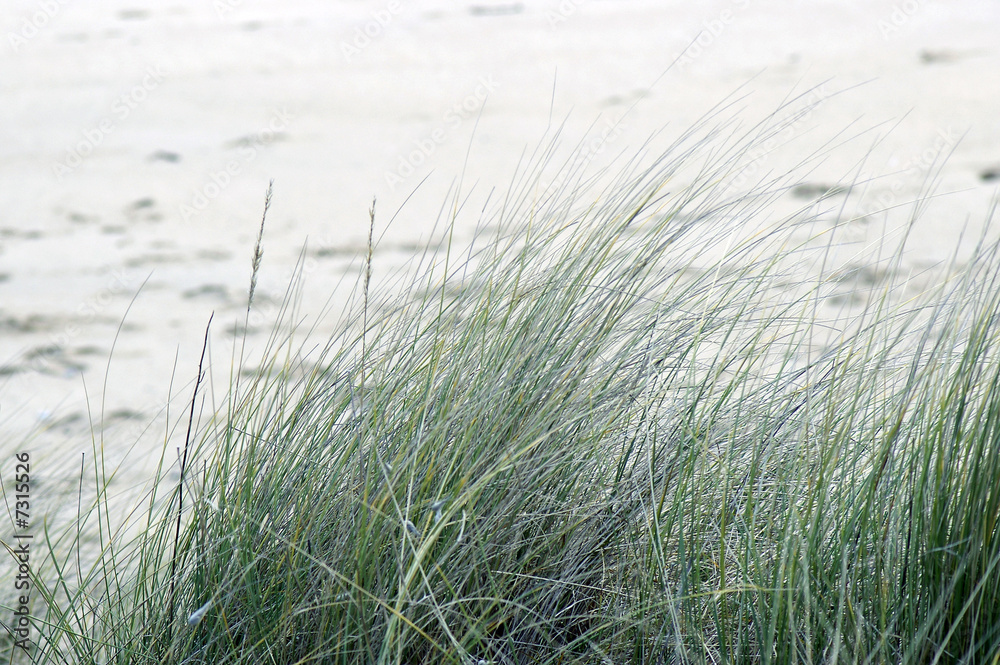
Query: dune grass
pixel 645 423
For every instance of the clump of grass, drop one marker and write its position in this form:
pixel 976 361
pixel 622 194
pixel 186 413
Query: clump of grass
pixel 626 428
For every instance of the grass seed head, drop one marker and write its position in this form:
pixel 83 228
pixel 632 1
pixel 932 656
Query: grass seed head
pixel 199 613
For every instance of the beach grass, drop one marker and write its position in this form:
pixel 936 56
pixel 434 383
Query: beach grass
pixel 641 417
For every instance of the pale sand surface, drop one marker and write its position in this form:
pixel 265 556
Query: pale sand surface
pixel 117 116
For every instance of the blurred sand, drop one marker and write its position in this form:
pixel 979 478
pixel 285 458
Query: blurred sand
pixel 137 139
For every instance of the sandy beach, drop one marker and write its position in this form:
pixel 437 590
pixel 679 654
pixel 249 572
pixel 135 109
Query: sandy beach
pixel 137 140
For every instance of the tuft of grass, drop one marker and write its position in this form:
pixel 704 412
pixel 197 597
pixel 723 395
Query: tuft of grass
pixel 634 424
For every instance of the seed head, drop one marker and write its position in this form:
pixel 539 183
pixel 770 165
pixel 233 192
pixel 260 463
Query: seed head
pixel 199 613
